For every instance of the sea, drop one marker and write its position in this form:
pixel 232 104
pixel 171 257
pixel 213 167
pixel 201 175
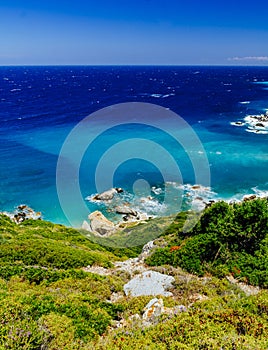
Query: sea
pixel 172 137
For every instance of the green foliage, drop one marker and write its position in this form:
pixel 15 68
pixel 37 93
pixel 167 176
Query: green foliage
pixel 43 244
pixel 227 239
pixel 230 325
pixel 48 302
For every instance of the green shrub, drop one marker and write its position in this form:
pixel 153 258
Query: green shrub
pixel 227 239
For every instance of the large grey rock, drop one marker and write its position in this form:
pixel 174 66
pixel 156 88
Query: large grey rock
pixel 125 210
pixel 100 224
pixel 108 195
pixel 149 283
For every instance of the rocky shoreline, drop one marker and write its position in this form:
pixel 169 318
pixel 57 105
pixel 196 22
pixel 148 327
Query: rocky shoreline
pixel 22 213
pixel 101 226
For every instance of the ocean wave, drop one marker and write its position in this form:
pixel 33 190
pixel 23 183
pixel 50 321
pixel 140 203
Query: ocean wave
pixel 263 132
pixel 261 193
pixel 261 82
pixel 162 95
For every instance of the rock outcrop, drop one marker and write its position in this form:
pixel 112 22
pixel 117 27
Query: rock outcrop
pixel 151 314
pixel 22 213
pixel 100 224
pixel 107 195
pixel 155 308
pixel 149 283
pixel 125 210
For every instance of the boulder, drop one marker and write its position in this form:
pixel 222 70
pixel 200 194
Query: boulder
pixel 153 310
pixel 100 224
pixel 149 283
pixel 107 195
pixel 249 197
pixel 125 210
pixel 146 250
pixel 86 226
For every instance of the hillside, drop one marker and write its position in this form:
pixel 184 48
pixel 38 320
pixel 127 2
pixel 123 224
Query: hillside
pixel 61 289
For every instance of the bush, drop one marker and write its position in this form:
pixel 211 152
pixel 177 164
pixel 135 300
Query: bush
pixel 227 239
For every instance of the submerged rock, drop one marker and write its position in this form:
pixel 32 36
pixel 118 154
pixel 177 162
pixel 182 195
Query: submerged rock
pixel 149 283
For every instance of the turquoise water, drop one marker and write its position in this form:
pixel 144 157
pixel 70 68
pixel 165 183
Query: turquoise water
pixel 41 106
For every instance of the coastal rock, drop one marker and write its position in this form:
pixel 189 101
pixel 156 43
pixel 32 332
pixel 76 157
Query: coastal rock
pixel 249 197
pixel 86 226
pixel 108 195
pixel 260 125
pixel 239 123
pixel 196 187
pixel 100 224
pixel 149 283
pixel 22 213
pixel 125 210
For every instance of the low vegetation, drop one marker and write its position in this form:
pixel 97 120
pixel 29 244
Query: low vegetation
pixel 228 239
pixel 48 301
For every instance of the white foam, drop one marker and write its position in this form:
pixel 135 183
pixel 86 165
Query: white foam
pixel 151 206
pixel 162 95
pixel 13 90
pixel 257 124
pixel 260 193
pixel 257 131
pixel 237 123
pixel 168 95
pixel 156 190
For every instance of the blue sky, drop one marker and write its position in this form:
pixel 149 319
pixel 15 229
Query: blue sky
pixel 134 32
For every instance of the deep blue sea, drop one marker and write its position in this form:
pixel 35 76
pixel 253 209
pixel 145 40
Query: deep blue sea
pixel 40 106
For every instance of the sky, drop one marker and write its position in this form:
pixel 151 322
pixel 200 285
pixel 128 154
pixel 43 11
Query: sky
pixel 140 32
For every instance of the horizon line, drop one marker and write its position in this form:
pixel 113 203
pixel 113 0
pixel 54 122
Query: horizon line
pixel 134 65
